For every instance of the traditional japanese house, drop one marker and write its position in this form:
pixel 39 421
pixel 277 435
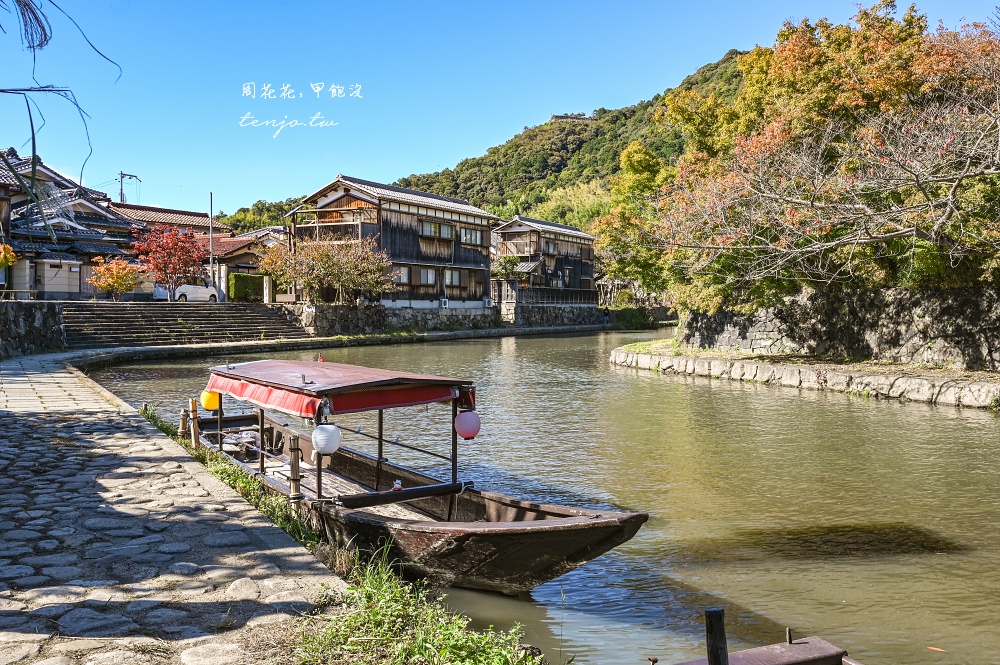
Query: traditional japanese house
pixel 555 261
pixel 58 240
pixel 439 246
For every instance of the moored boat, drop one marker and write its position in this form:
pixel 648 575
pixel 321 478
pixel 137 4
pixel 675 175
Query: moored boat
pixel 446 530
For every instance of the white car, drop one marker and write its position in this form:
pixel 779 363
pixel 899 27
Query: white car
pixel 200 291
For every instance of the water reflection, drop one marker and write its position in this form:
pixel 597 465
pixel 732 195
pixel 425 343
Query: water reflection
pixel 872 524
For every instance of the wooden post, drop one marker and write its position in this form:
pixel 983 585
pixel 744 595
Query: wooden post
pixel 378 462
pixel 260 440
pixel 319 476
pixel 295 480
pixel 453 502
pixel 193 409
pixel 715 634
pixel 454 442
pixel 219 422
pixel 182 426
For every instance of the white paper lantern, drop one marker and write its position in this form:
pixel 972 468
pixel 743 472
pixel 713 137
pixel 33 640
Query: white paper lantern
pixel 326 439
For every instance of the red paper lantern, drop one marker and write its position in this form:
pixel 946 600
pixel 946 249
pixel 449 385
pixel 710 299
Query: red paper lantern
pixel 467 424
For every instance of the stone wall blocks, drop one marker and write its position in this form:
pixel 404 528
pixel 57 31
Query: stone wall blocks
pixel 980 395
pixel 810 379
pixel 949 393
pixel 789 377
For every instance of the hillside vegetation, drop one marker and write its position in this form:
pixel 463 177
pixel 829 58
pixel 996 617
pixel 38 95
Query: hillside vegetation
pixel 561 170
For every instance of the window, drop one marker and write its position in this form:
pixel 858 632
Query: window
pixel 472 237
pixel 453 278
pixel 402 275
pixel 437 230
pixel 551 247
pixel 427 276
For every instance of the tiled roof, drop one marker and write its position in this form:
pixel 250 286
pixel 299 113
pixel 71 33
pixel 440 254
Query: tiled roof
pixel 98 248
pixel 256 233
pixel 6 177
pixel 23 166
pixel 527 266
pixel 543 225
pixel 59 256
pixel 62 207
pixel 411 196
pixel 223 246
pixel 26 246
pixel 168 216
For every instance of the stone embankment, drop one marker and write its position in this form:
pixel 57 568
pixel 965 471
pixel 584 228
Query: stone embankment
pixel 933 388
pixel 117 548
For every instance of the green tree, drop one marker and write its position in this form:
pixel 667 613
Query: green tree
pixel 354 268
pixel 853 152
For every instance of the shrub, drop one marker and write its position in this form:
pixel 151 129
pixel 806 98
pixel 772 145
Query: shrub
pixel 632 318
pixel 624 298
pixel 246 288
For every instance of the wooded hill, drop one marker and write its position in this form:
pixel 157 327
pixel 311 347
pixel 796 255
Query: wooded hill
pixel 559 171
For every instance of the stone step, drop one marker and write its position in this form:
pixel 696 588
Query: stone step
pixel 94 324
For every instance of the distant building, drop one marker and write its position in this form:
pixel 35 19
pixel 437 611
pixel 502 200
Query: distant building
pixel 439 246
pixel 550 255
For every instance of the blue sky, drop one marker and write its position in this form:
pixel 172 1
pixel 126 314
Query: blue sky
pixel 439 82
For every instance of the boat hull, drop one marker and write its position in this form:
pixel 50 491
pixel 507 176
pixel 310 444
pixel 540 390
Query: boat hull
pixel 507 557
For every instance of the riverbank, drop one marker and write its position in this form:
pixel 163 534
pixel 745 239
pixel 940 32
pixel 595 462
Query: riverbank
pixel 960 388
pixel 118 547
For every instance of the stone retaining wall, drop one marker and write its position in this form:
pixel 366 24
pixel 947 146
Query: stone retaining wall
pixel 28 327
pixel 325 319
pixel 553 315
pixel 933 390
pixel 958 328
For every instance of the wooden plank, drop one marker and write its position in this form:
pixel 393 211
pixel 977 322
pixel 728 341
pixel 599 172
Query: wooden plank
pixel 805 651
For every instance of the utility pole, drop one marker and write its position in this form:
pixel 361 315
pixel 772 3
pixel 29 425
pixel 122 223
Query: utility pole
pixel 211 252
pixel 121 184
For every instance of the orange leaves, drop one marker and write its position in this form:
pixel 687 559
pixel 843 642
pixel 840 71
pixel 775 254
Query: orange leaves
pixel 7 256
pixel 116 276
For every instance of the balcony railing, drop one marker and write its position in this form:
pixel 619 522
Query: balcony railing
pixel 509 291
pixel 328 232
pixel 518 248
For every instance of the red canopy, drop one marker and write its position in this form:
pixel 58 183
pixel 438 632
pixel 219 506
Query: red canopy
pixel 299 387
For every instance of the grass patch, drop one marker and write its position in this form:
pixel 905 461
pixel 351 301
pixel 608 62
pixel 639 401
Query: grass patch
pixel 386 621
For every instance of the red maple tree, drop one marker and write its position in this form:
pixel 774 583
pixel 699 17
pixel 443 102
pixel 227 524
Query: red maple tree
pixel 170 256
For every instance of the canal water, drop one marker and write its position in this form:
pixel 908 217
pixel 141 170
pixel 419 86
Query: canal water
pixel 873 524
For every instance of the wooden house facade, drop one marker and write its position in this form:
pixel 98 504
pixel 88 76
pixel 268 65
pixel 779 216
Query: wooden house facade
pixel 555 261
pixel 439 246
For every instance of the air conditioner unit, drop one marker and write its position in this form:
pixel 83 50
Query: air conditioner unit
pixel 444 303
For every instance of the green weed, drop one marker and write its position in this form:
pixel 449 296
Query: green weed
pixel 386 621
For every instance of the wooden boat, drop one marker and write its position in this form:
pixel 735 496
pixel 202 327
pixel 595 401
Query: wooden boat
pixel 451 532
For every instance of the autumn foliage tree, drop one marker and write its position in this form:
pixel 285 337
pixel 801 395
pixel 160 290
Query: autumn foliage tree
pixel 116 276
pixel 170 256
pixel 863 153
pixel 352 268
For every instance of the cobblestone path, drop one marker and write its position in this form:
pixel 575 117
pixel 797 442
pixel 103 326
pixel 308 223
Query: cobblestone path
pixel 116 547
